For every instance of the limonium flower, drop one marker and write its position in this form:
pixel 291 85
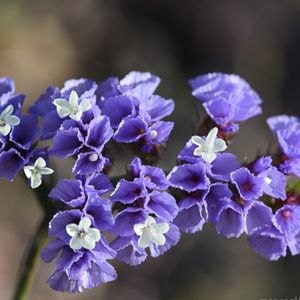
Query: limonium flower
pixel 8 120
pixel 71 107
pixel 148 213
pixel 227 98
pixel 208 147
pixel 287 130
pixel 35 172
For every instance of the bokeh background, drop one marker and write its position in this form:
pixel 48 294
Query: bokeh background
pixel 47 42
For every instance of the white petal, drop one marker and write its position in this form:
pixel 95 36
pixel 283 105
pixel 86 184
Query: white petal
pixel 7 111
pixel 5 130
pixel 158 239
pixel 199 152
pixel 77 116
pixel 73 99
pixel 150 220
pixel 85 223
pixel 144 240
pixel 40 163
pixel 88 243
pixel 210 139
pixel 11 120
pixel 220 145
pixel 197 140
pixel 36 181
pixel 63 107
pixel 93 234
pixel 161 228
pixel 138 229
pixel 72 229
pixel 46 171
pixel 27 171
pixel 76 243
pixel 85 105
pixel 209 157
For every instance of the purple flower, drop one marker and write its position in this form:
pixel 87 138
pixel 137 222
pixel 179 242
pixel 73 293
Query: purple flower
pixel 249 186
pixel 47 107
pixel 81 252
pixel 282 233
pixel 268 242
pixel 145 215
pixel 16 148
pixel 86 141
pixel 189 177
pixel 287 130
pixel 193 212
pixel 227 98
pixel 220 168
pixel 135 112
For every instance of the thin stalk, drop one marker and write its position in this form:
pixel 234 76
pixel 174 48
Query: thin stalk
pixel 36 244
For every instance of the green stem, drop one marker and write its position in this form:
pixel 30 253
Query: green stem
pixel 23 285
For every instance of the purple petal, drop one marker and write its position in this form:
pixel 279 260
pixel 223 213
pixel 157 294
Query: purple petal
pixel 130 130
pixel 99 133
pixel 67 143
pixel 269 243
pixel 70 192
pixel 189 177
pixel 163 205
pixel 223 165
pixel 10 163
pixel 117 109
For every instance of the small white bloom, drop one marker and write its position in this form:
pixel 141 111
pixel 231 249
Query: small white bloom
pixel 72 108
pixel 35 172
pixel 267 180
pixel 207 148
pixel 83 236
pixel 93 157
pixel 7 120
pixel 153 134
pixel 151 232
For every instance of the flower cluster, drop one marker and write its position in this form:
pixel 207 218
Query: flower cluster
pixel 146 216
pixel 97 217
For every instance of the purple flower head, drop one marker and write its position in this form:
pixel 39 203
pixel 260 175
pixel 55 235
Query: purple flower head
pixel 86 141
pixel 16 148
pixel 268 242
pixel 193 212
pixel 145 216
pixel 81 252
pixel 226 214
pixel 189 177
pixel 257 216
pixel 287 130
pixel 54 105
pixel 220 168
pixel 287 219
pixel 134 111
pixel 227 98
pixel 249 186
pixel 274 182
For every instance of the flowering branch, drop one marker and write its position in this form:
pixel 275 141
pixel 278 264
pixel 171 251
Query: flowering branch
pixel 144 211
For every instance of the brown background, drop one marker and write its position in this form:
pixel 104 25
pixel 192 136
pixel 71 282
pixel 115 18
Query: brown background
pixel 47 42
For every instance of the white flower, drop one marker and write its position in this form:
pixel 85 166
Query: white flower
pixel 7 120
pixel 207 148
pixel 72 108
pixel 82 235
pixel 36 171
pixel 151 232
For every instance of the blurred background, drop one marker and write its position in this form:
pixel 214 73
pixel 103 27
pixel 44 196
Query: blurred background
pixel 48 42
